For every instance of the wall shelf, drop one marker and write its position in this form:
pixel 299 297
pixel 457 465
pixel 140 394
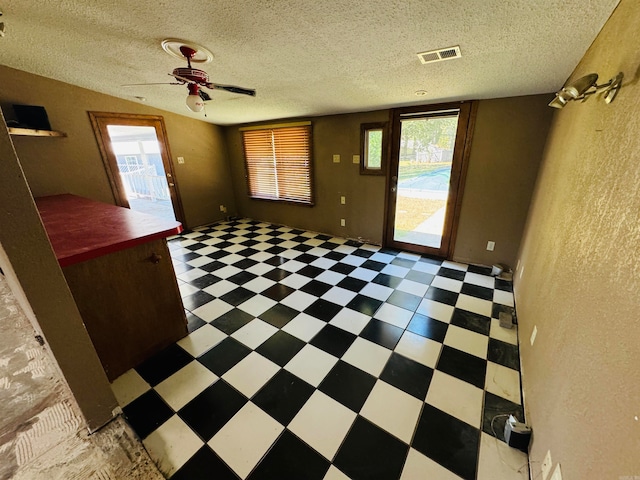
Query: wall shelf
pixel 35 133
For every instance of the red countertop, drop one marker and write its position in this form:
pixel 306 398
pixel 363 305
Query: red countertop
pixel 80 229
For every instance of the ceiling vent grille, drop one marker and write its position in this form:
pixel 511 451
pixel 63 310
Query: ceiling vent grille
pixel 440 54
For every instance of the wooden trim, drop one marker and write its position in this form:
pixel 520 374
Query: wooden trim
pixel 99 122
pixel 456 188
pixel 387 184
pixel 458 174
pixel 30 132
pixel 102 138
pixel 463 176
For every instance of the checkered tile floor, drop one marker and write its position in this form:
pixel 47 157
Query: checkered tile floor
pixel 314 357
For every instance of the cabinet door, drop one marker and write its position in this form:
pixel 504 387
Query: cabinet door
pixel 130 304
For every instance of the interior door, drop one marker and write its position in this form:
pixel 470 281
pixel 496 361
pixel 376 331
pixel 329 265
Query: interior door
pixel 429 148
pixel 136 155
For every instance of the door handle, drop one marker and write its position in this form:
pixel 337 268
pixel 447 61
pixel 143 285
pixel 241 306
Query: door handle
pixel 171 185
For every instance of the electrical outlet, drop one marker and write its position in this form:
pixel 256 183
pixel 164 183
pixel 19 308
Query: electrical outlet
pixel 343 200
pixel 356 159
pixel 534 333
pixel 557 473
pixel 223 209
pixel 336 158
pixel 343 222
pixel 180 159
pixel 491 245
pixel 546 465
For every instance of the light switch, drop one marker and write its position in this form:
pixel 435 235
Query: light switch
pixel 356 159
pixel 343 200
pixel 336 158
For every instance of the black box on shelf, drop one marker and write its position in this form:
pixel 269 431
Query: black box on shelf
pixel 32 116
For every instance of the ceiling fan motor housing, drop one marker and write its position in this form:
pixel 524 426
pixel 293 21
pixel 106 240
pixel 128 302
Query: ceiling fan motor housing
pixel 192 74
pixel 187 51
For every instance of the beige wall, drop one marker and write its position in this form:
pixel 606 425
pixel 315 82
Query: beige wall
pixel 508 141
pixel 73 164
pixel 364 208
pixel 579 275
pixel 506 148
pixel 505 154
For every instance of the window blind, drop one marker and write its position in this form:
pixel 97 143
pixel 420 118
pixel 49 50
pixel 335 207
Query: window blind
pixel 278 163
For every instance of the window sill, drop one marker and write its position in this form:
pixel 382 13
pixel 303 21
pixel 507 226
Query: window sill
pixel 283 201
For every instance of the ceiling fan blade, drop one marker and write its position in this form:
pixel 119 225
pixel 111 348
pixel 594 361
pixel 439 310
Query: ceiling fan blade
pixel 159 83
pixel 231 88
pixel 204 95
pixel 182 79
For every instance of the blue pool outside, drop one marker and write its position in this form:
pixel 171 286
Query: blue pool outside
pixel 434 180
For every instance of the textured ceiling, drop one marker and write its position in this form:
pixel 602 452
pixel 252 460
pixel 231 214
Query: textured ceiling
pixel 305 57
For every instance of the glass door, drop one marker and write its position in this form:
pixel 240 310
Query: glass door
pixel 425 178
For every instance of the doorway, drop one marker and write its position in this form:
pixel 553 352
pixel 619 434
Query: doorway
pixel 136 155
pixel 429 150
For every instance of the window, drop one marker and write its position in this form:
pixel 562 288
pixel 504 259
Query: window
pixel 278 162
pixel 373 140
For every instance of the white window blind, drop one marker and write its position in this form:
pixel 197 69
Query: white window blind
pixel 278 163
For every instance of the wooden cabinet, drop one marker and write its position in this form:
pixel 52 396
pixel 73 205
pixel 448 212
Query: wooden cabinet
pixel 130 303
pixel 118 268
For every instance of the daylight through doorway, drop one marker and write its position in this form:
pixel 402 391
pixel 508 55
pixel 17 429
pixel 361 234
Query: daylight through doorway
pixel 428 156
pixel 424 172
pixel 139 162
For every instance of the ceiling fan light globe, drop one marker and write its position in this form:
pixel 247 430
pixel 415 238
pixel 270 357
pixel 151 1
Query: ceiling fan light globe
pixel 195 103
pixel 580 86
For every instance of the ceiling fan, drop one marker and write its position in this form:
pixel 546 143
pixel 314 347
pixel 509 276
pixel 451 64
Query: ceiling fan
pixel 194 78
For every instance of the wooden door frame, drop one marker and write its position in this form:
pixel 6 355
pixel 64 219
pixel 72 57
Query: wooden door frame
pixel 99 122
pixel 462 149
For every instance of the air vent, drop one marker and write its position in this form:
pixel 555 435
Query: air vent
pixel 440 55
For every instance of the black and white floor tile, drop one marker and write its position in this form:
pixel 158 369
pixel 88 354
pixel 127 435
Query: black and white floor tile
pixel 315 357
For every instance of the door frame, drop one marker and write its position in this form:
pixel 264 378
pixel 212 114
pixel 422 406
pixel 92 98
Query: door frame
pixel 99 122
pixel 460 164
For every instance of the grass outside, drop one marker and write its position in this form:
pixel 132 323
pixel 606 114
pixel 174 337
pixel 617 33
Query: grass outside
pixel 409 169
pixel 411 212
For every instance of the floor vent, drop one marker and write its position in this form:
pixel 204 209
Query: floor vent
pixel 440 54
